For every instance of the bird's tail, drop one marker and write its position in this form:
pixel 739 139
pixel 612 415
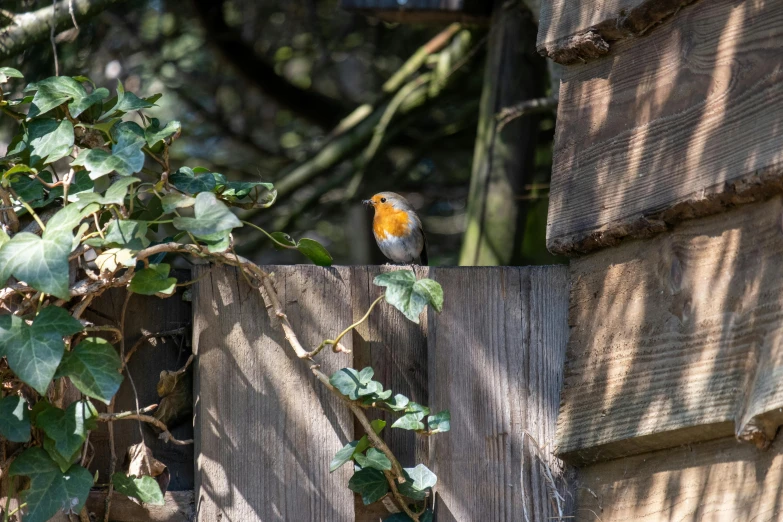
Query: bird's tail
pixel 423 255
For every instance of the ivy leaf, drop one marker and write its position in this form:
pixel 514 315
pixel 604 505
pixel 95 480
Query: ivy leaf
pixel 153 280
pixel 175 200
pixel 126 157
pixel 408 295
pixel 218 242
pixel 364 442
pixel 94 368
pixel 440 422
pixel 82 104
pixel 340 458
pixel 155 134
pixel 34 351
pixel 398 403
pixel 128 233
pixel 49 140
pixel 410 421
pixel 144 488
pixel 114 258
pixel 414 407
pixel 29 190
pixel 353 384
pixel 212 216
pixel 422 477
pixel 191 182
pixel 115 195
pixel 80 184
pixel 370 483
pixel 315 252
pixel 40 262
pixel 50 489
pixel 68 428
pixel 53 92
pixel 9 72
pixel 14 419
pixel 374 459
pixel 126 102
pixel 65 220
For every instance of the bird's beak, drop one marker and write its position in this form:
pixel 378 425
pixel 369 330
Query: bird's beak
pixel 367 202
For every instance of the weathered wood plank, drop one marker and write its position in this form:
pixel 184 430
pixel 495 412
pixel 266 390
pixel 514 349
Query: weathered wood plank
pixel 496 357
pixel 397 349
pixel 572 31
pixel 146 315
pixel 678 339
pixel 719 481
pixel 681 123
pixel 265 430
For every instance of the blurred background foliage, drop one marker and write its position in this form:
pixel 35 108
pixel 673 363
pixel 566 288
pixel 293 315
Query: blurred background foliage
pixel 259 86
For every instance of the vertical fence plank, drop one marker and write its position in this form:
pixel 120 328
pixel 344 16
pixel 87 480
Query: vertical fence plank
pixel 496 357
pixel 397 349
pixel 265 430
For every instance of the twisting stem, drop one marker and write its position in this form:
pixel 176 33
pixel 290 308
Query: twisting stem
pixel 336 342
pixel 28 208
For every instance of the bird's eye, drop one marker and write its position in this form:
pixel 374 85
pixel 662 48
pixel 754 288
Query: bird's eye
pixel 383 200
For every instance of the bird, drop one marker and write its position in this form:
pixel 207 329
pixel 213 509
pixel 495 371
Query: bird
pixel 397 229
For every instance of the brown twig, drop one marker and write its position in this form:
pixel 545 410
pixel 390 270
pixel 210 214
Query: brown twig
pixel 138 344
pixel 534 106
pixel 165 435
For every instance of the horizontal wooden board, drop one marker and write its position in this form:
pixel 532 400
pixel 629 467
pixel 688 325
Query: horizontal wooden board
pixel 572 31
pixel 717 481
pixel 677 339
pixel 682 123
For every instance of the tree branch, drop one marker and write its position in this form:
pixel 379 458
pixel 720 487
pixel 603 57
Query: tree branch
pixel 30 28
pixel 319 109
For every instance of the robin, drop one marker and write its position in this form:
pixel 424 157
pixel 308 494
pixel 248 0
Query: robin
pixel 397 229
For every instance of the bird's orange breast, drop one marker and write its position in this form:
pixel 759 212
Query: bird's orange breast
pixel 393 223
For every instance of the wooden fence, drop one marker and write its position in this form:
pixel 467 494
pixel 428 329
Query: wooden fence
pixel 266 429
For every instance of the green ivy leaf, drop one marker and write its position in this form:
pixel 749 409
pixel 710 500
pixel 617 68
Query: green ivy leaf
pixel 126 102
pixel 50 489
pixel 410 421
pixel 82 104
pixel 374 459
pixel 53 92
pixel 126 157
pixel 340 458
pixel 408 295
pixel 63 461
pixel 49 140
pixel 14 419
pixel 422 477
pixel 153 280
pixel 9 72
pixel 353 384
pixel 144 488
pixel 68 428
pixel 115 195
pixel 80 184
pixel 398 403
pixel 440 422
pixel 29 190
pixel 212 216
pixel 114 258
pixel 175 200
pixel 12 174
pixel 315 252
pixel 65 220
pixel 155 134
pixel 94 368
pixel 218 242
pixel 127 233
pixel 34 351
pixel 40 262
pixel 414 407
pixel 192 182
pixel 364 442
pixel 370 483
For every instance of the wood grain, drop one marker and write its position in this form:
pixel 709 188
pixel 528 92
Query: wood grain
pixel 146 315
pixel 717 481
pixel 574 32
pixel 678 339
pixel 496 355
pixel 682 123
pixel 179 506
pixel 265 429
